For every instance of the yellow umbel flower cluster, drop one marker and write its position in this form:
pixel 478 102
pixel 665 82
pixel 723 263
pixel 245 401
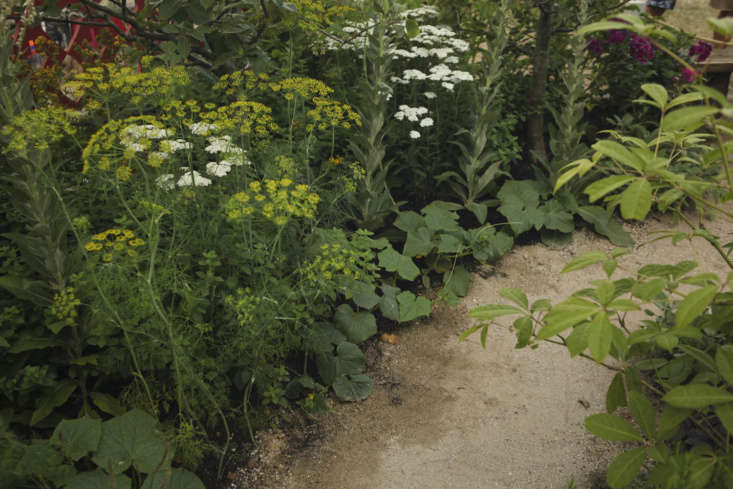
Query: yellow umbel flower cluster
pixel 245 304
pixel 304 87
pixel 242 118
pixel 274 200
pixel 336 260
pixel 63 310
pixel 242 81
pixel 316 14
pixel 328 114
pixel 154 86
pixel 114 243
pixel 36 129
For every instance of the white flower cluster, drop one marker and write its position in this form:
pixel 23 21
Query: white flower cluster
pixel 413 114
pixel 202 128
pixel 420 13
pixel 233 156
pixel 147 131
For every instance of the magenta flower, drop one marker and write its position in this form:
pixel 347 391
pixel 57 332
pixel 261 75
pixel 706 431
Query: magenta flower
pixel 595 46
pixel 642 49
pixel 702 50
pixel 689 75
pixel 616 36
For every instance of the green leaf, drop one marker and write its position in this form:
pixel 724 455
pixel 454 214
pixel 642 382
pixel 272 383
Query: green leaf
pixel 458 280
pixel 577 340
pixel 77 437
pixel 362 294
pixel 600 336
pixel 173 479
pixel 705 360
pixel 54 399
pixel 99 480
pixel 479 210
pixel 701 470
pixel 449 244
pixel 611 427
pixel 619 153
pixel 555 217
pixel 516 296
pixel 600 188
pixel 412 307
pixel 388 305
pixel 353 387
pixel 348 360
pixel 523 327
pixel 131 439
pixel 357 326
pixel 724 362
pixel 667 340
pixel 491 249
pixel 491 311
pixel 687 118
pixel 585 260
pixel 520 205
pixel 657 92
pixel 722 26
pixel 697 396
pixel 411 28
pixel 643 413
pixel 418 243
pixel 26 343
pixel 566 314
pixel 636 200
pixel 107 404
pixel 441 216
pixel 648 290
pixel 624 468
pixel 616 393
pixel 605 25
pixel 725 414
pixel 605 224
pixel 694 305
pixel 409 221
pixel 392 261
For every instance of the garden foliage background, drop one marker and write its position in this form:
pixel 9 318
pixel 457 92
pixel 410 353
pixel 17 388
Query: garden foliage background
pixel 203 220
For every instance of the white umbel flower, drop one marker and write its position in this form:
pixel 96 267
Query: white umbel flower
pixel 427 122
pixel 192 178
pixel 218 169
pixel 414 134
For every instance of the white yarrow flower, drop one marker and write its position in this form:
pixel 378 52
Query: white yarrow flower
pixel 448 86
pixel 165 181
pixel 218 169
pixel 427 122
pixel 192 178
pixel 414 134
pixel 430 95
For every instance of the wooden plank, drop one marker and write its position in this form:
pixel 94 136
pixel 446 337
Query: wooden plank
pixel 720 61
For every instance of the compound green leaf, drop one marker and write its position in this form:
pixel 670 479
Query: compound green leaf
pixel 523 327
pixel 687 118
pixel 517 296
pixel 697 396
pixel 636 200
pixel 611 427
pixel 657 92
pixel 724 362
pixel 643 413
pixel 566 314
pixel 619 153
pixel 694 304
pixel 577 340
pixel 491 311
pixel 600 336
pixel 77 437
pixel 600 188
pixel 725 414
pixel 616 393
pixel 585 260
pixel 624 469
pixel 648 290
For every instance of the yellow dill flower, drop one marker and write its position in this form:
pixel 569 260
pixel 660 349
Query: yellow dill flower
pixel 128 234
pixel 91 246
pixel 136 242
pixel 255 186
pixel 123 173
pixel 107 257
pixel 259 197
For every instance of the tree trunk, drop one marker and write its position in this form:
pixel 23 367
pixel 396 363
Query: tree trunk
pixel 538 84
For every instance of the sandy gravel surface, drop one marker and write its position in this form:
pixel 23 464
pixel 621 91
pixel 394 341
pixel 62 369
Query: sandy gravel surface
pixel 454 415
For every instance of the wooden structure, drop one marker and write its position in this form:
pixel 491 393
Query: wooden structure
pixel 718 68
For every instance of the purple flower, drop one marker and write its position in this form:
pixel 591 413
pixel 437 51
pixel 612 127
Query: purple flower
pixel 642 49
pixel 689 75
pixel 702 50
pixel 616 36
pixel 595 46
